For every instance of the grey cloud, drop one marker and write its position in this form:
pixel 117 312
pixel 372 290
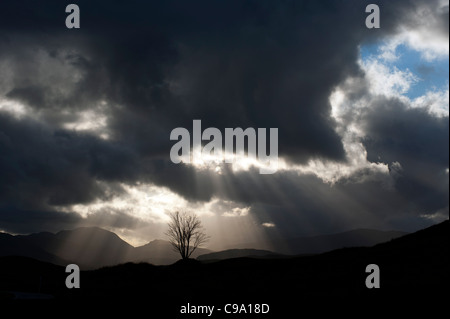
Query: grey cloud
pixel 16 220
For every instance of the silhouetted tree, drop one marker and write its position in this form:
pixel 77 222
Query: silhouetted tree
pixel 186 233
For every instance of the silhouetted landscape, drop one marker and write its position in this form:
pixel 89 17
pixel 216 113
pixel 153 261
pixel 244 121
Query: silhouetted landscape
pixel 93 247
pixel 412 266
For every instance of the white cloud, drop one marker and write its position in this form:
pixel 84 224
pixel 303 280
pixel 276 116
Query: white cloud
pixel 268 225
pixel 385 80
pixel 436 102
pixel 388 50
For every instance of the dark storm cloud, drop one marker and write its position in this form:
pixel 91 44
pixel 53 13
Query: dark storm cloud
pixel 416 140
pixel 160 64
pixel 59 88
pixel 16 220
pixel 41 167
pixel 230 64
pixel 22 221
pixel 220 62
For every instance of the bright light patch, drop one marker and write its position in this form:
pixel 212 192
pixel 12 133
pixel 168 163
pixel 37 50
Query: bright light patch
pixel 437 217
pixel 150 206
pixel 94 121
pixel 240 163
pixel 14 108
pixel 146 202
pixel 236 212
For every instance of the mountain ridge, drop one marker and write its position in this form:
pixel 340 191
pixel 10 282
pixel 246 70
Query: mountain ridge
pixel 95 247
pixel 88 247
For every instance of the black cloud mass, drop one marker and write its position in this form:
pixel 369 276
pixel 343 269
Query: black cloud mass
pixel 93 109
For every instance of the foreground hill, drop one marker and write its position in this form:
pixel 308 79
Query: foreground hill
pixel 414 272
pixel 236 253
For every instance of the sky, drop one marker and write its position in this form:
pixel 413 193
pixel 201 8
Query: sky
pixel 86 116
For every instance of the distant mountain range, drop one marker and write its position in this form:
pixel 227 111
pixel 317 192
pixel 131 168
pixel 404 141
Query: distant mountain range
pixel 88 247
pixel 93 247
pixel 237 253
